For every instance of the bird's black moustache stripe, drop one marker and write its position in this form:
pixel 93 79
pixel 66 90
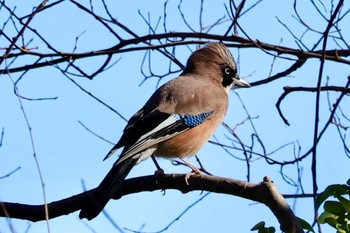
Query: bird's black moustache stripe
pixel 227 80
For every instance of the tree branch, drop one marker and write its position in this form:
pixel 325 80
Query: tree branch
pixel 288 90
pixel 265 192
pixel 124 46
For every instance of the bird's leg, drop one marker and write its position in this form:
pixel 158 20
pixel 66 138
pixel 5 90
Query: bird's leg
pixel 194 169
pixel 159 170
pixel 193 172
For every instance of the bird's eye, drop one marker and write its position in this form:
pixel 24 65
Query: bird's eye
pixel 227 70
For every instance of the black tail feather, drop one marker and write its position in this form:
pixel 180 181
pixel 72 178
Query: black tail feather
pixel 107 188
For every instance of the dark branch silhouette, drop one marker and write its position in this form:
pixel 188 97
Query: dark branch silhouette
pixel 264 192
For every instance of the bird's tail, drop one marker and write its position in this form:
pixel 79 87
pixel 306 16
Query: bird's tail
pixel 105 191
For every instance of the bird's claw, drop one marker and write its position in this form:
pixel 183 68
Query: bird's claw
pixel 193 172
pixel 158 174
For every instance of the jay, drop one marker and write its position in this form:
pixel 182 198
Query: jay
pixel 177 120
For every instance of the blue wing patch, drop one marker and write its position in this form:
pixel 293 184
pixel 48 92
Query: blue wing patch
pixel 194 120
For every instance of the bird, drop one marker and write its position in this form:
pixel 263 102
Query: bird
pixel 176 121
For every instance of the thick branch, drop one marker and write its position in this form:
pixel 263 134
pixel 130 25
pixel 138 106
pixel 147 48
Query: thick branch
pixel 264 192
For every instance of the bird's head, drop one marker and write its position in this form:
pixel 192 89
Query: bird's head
pixel 215 60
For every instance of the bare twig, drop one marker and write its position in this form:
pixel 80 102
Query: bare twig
pixel 317 106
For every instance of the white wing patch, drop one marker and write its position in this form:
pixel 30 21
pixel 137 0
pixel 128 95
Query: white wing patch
pixel 144 147
pixel 170 120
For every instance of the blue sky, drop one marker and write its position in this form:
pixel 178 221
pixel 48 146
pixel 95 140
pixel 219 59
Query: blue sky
pixel 68 154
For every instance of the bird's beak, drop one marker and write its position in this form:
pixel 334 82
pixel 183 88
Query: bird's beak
pixel 240 82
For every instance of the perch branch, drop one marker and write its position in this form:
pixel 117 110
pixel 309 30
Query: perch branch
pixel 265 192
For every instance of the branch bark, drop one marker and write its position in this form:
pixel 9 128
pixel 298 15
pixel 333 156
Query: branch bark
pixel 264 192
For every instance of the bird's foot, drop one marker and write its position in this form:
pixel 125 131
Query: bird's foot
pixel 195 171
pixel 158 174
